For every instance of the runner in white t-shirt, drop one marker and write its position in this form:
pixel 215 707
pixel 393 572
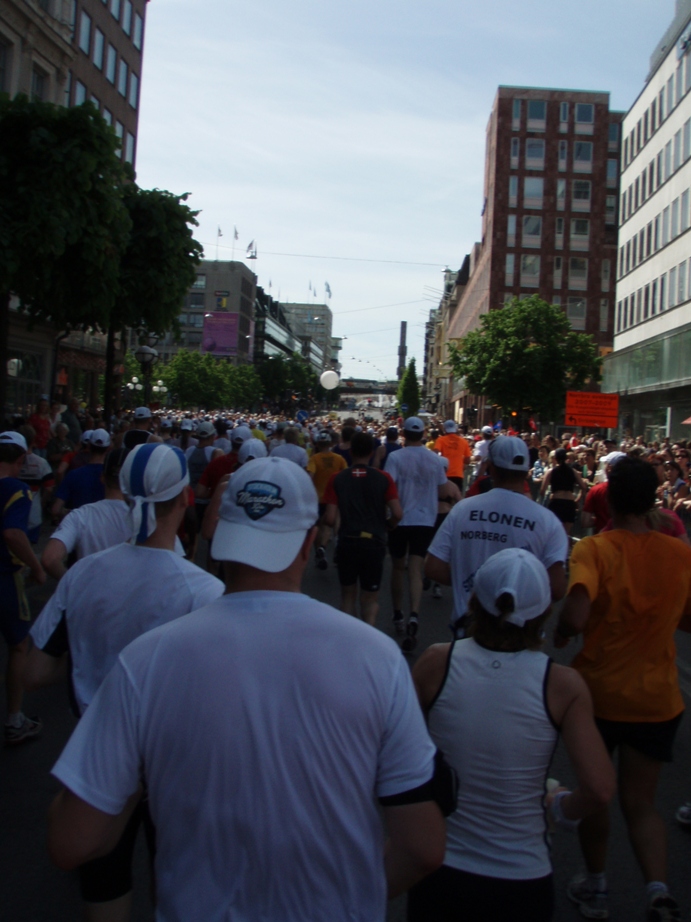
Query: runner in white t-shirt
pixel 108 599
pixel 265 727
pixel 478 527
pixel 420 478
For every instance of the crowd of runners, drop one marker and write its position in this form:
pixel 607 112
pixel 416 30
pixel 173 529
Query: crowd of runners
pixel 285 761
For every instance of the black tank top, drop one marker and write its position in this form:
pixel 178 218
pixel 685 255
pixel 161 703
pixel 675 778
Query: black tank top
pixel 563 478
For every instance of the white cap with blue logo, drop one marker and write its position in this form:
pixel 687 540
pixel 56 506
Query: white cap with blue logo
pixel 266 512
pixel 152 473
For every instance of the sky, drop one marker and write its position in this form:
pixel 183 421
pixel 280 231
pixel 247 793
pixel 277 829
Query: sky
pixel 347 140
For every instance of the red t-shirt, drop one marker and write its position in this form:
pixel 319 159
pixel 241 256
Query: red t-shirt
pixel 217 469
pixel 41 427
pixel 597 504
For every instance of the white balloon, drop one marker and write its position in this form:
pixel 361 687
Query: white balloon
pixel 329 380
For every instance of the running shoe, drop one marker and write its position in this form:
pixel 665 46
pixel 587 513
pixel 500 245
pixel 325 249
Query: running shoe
pixel 410 640
pixel 28 730
pixel 399 622
pixel 436 591
pixel 663 908
pixel 320 555
pixel 683 815
pixel 591 904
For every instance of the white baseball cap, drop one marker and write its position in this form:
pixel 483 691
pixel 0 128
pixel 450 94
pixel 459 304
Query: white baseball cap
pixel 142 413
pixel 100 438
pixel 450 426
pixel 252 448
pixel 186 425
pixel 13 438
pixel 86 436
pixel 487 430
pixel 613 458
pixel 413 424
pixel 509 453
pixel 241 434
pixel 520 574
pixel 266 511
pixel 206 430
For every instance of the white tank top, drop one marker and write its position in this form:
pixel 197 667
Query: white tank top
pixel 490 720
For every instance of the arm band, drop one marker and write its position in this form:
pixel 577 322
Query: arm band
pixel 442 788
pixel 558 813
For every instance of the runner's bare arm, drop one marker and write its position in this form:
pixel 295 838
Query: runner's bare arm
pixel 330 515
pixel 437 570
pixel 415 844
pixel 557 580
pixel 53 558
pixel 428 673
pixel 42 669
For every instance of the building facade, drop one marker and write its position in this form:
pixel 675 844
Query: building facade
pixel 312 323
pixel 218 314
pixel 549 218
pixel 651 364
pixel 69 52
pixel 273 334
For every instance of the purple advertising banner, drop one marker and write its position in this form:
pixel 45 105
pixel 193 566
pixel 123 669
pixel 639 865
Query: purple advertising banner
pixel 220 336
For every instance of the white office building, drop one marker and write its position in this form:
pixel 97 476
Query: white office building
pixel 651 364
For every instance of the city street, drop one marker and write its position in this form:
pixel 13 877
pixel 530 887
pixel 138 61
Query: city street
pixel 31 889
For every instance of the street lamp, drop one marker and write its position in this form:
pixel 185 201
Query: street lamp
pixel 147 357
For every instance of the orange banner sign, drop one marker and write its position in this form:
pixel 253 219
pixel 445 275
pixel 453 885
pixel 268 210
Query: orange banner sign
pixel 595 411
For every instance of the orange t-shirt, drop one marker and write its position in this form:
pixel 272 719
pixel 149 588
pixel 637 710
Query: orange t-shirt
pixel 639 587
pixel 322 465
pixel 456 449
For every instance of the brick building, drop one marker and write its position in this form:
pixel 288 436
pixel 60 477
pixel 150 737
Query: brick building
pixel 549 219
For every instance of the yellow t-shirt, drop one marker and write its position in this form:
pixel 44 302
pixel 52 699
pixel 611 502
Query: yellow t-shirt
pixel 639 587
pixel 322 465
pixel 258 434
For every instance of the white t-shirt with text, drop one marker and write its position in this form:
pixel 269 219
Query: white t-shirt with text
pixel 417 472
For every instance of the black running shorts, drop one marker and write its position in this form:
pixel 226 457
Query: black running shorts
pixel 410 539
pixel 360 560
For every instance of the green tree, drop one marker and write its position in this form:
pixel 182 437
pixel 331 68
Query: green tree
pixel 409 390
pixel 243 386
pixel 156 269
pixel 63 223
pixel 195 380
pixel 282 377
pixel 526 355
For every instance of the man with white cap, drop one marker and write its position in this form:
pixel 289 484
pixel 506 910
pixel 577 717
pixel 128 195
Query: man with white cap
pixel 504 517
pixel 265 727
pixel 15 554
pixel 84 485
pixel 104 602
pixel 420 478
pixel 140 431
pixel 481 450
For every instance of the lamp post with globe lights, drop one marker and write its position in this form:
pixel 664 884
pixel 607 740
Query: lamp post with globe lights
pixel 147 357
pixel 160 390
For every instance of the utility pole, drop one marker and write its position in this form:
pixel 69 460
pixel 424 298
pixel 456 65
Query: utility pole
pixel 402 350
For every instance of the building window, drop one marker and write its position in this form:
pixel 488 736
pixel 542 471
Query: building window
pixel 681 283
pixel 613 136
pixel 619 306
pixel 675 219
pixel 513 191
pixel 511 230
pixel 581 195
pixel 200 282
pixel 672 290
pixel 67 92
pixel 661 111
pixel 107 116
pixel 583 156
pixel 605 274
pixel 575 313
pixel 530 271
pixel 645 127
pixel 85 32
pixel 653 115
pixel 563 116
pixel 580 234
pixel 122 78
pixel 651 177
pixel 4 67
pixel 138 32
pixel 111 60
pixel 578 272
pixel 639 139
pixel 665 226
pixel 559 234
pixel 94 100
pixel 626 152
pixel 127 17
pixel 532 231
pixel 556 300
pixel 516 121
pixel 534 154
pixel 663 291
pixel 649 239
pixel 656 234
pixel 537 114
pixel 533 188
pixel 653 298
pixel 515 152
pixel 509 269
pixel 604 315
pixel 677 150
pixel 670 94
pixel 134 90
pixel 563 154
pixel 39 85
pixel 558 265
pixel 115 9
pixel 99 45
pixel 612 173
pixel 129 147
pixel 680 80
pixel 561 194
pixel 611 209
pixel 585 117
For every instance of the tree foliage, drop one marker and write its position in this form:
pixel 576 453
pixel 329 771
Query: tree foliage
pixel 283 378
pixel 196 380
pixel 409 390
pixel 526 355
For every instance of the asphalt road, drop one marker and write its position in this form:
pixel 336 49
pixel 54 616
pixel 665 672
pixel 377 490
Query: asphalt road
pixel 31 890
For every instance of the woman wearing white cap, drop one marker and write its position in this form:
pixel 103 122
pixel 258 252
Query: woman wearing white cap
pixel 495 707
